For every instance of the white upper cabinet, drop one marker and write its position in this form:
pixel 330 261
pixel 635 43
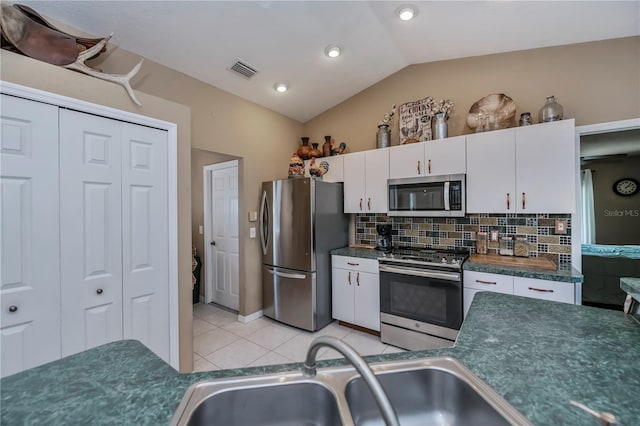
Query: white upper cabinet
pixel 545 168
pixel 336 168
pixel 522 170
pixel 438 157
pixel 365 181
pixel 491 172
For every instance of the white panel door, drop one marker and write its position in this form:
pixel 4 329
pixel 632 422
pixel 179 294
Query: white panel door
pixel 145 246
pixel 354 183
pixel 491 172
pixel 224 248
pixel 377 173
pixel 90 230
pixel 446 156
pixel 545 173
pixel 29 222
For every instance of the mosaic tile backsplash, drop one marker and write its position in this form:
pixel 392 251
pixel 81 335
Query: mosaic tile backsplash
pixel 460 232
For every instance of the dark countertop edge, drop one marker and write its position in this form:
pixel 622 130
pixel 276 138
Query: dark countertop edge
pixel 564 275
pixel 630 285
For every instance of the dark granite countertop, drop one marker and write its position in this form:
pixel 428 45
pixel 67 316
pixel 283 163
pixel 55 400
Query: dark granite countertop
pixel 565 274
pixel 631 286
pixel 537 354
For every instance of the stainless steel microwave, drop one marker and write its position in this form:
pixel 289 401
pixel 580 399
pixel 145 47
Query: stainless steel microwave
pixel 443 195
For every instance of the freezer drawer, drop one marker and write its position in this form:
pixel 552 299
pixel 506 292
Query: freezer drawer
pixel 289 296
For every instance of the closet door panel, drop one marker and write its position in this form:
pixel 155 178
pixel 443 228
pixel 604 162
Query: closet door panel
pixel 90 240
pixel 29 225
pixel 144 237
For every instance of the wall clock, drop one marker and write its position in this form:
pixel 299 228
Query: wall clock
pixel 626 187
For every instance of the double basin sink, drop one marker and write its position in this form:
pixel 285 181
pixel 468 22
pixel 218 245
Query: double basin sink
pixel 427 391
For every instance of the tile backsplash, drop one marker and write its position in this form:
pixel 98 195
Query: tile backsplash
pixel 459 232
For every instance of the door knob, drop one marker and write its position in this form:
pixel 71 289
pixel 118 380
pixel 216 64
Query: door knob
pixel 213 243
pixel 13 308
pixel 99 291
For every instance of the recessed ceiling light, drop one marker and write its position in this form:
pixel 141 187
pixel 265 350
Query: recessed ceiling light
pixel 406 13
pixel 281 87
pixel 332 51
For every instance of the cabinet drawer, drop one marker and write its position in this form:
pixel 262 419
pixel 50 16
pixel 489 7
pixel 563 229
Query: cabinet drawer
pixel 488 282
pixel 541 289
pixel 355 263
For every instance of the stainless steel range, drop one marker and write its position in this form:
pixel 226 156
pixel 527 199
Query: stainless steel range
pixel 421 297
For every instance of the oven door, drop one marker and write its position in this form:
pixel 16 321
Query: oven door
pixel 432 297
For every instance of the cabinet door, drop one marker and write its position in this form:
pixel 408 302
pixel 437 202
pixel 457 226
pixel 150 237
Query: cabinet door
pixel 354 183
pixel 467 297
pixel 342 282
pixel 145 247
pixel 484 281
pixel 377 173
pixel 90 230
pixel 446 156
pixel 29 225
pixel 407 160
pixel 367 300
pixel 545 168
pixel 491 172
pixel 542 289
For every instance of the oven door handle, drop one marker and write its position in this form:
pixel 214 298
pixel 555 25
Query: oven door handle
pixel 420 273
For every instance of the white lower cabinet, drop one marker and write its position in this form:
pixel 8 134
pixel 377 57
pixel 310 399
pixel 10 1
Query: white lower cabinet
pixel 356 291
pixel 475 282
pixel 541 289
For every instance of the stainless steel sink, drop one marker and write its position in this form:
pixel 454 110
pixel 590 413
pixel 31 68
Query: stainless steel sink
pixel 428 396
pixel 433 391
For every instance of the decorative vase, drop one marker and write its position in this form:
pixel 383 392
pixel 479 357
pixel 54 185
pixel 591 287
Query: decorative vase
pixel 315 152
pixel 440 130
pixel 525 119
pixel 551 111
pixel 326 148
pixel 296 166
pixel 303 151
pixel 383 136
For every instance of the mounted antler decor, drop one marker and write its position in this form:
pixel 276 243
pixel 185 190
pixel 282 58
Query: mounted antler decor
pixel 25 31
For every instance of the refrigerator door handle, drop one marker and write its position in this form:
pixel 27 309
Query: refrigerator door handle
pixel 264 223
pixel 285 275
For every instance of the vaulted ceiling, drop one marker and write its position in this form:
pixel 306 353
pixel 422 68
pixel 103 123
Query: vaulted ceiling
pixel 285 40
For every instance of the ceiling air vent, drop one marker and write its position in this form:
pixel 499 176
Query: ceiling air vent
pixel 243 69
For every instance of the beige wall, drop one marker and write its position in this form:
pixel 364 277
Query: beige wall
pixel 199 159
pixel 595 82
pixel 28 72
pixel 225 124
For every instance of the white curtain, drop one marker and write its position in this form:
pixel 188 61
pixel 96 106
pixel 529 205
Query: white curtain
pixel 588 211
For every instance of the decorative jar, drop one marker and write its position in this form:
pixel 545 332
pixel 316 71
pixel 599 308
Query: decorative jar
pixel 551 111
pixel 440 126
pixel 383 136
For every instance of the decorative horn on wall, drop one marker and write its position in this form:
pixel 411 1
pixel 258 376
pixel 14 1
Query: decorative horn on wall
pixel 24 31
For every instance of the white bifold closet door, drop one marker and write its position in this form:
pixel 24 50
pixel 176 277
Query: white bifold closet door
pixel 114 233
pixel 29 223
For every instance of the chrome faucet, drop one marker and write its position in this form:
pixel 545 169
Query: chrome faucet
pixel 309 369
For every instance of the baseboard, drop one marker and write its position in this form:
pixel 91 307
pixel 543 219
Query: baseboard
pixel 249 318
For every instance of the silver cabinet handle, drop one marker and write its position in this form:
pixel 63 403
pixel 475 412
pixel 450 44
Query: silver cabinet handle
pixel 542 290
pixel 13 308
pixel 486 282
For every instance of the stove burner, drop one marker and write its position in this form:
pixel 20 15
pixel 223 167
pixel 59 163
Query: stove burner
pixel 426 256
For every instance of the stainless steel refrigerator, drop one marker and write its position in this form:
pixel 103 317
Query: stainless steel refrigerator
pixel 301 220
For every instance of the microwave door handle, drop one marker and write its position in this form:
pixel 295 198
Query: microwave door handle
pixel 447 205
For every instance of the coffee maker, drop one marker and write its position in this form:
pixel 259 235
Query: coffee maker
pixel 383 240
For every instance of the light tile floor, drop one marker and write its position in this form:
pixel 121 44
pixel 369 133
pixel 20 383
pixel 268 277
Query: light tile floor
pixel 221 342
